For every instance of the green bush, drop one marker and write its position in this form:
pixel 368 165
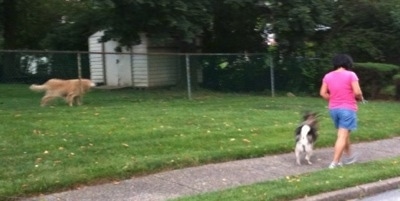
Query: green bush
pixel 375 77
pixel 236 73
pixel 240 73
pixel 300 75
pixel 396 80
pixel 388 92
pixel 297 75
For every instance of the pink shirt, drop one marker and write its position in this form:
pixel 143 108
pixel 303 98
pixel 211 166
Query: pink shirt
pixel 341 95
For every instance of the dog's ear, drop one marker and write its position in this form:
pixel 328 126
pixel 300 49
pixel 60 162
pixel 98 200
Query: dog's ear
pixel 311 118
pixel 307 114
pixel 313 114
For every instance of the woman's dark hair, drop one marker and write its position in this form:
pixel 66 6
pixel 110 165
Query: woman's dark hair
pixel 342 60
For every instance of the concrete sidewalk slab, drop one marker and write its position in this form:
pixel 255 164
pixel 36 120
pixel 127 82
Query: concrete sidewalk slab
pixel 214 177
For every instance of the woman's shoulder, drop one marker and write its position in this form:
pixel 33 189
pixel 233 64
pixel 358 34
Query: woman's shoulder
pixel 334 75
pixel 353 76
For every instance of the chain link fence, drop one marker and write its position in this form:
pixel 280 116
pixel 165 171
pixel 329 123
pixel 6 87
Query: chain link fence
pixel 39 66
pixel 223 72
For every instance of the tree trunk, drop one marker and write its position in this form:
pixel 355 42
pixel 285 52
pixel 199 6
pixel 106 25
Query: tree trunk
pixel 8 68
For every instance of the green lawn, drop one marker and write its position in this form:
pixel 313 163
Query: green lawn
pixel 120 133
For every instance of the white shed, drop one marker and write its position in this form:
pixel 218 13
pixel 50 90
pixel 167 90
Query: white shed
pixel 133 67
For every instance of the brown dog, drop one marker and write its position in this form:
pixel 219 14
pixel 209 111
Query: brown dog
pixel 71 90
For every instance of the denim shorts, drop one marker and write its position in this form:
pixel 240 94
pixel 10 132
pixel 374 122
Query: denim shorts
pixel 344 118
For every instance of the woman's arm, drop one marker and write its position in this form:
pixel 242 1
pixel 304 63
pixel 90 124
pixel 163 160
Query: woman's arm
pixel 323 92
pixel 357 91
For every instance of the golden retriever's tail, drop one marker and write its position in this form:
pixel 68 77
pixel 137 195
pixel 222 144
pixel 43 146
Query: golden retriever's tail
pixel 38 88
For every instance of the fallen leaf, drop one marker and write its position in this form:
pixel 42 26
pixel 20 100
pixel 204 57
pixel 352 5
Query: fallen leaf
pixel 246 140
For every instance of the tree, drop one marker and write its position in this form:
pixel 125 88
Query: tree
pixel 368 30
pixel 296 23
pixel 9 10
pixel 78 21
pixel 234 27
pixel 180 20
pixel 24 24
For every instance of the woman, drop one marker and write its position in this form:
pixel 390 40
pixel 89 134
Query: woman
pixel 341 89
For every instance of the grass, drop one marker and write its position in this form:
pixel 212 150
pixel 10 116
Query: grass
pixel 120 133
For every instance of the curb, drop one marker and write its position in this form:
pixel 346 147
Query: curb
pixel 357 192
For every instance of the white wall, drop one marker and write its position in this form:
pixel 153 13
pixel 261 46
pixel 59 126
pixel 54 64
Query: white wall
pixel 110 60
pixel 112 70
pixel 140 72
pixel 163 69
pixel 136 69
pixel 96 60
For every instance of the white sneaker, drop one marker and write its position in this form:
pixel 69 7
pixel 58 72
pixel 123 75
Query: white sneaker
pixel 335 165
pixel 351 159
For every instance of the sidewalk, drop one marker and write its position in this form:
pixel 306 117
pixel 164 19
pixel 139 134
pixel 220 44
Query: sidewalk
pixel 214 177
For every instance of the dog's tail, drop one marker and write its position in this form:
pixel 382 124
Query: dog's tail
pixel 38 88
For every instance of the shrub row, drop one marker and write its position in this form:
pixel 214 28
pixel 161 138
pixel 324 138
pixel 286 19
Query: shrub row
pixel 379 80
pixel 295 75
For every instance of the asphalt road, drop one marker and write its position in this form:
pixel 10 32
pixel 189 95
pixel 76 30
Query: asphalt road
pixel 393 195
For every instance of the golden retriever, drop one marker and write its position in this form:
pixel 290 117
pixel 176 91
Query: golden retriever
pixel 71 90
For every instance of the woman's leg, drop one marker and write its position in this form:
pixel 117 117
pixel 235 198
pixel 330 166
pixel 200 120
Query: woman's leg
pixel 347 150
pixel 342 144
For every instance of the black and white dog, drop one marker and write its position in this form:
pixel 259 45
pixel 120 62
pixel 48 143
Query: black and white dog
pixel 306 135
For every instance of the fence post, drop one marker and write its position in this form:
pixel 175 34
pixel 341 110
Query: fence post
pixel 271 67
pixel 189 87
pixel 131 66
pixel 79 65
pixel 79 72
